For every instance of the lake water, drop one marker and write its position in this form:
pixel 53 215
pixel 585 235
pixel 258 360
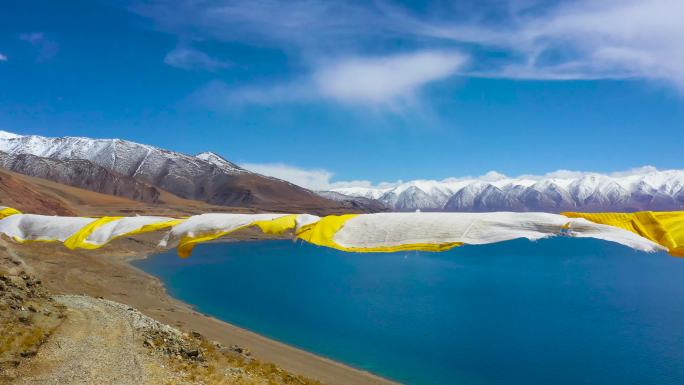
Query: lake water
pixel 557 311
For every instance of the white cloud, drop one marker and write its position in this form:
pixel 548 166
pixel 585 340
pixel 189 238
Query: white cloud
pixel 560 174
pixel 582 40
pixel 189 58
pixel 3 57
pixel 385 79
pixel 311 178
pixel 306 24
pixel 315 179
pixel 634 171
pixel 370 81
pixel 571 174
pixel 529 39
pixel 492 176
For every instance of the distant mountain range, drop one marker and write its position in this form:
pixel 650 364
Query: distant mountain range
pixel 145 173
pixel 644 189
pixel 140 172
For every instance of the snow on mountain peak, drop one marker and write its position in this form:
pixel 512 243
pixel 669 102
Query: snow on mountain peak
pixel 638 189
pixel 8 135
pixel 645 188
pixel 219 161
pixel 122 156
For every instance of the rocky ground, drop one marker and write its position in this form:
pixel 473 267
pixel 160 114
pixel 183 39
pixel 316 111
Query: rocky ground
pixel 106 277
pixel 28 315
pixel 77 339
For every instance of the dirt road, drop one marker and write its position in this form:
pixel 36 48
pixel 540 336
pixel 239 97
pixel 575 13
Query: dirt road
pixel 98 343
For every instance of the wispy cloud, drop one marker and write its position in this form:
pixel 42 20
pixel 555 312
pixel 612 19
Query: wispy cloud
pixel 32 37
pixel 314 179
pixel 3 57
pixel 576 40
pixel 385 79
pixel 370 81
pixel 297 24
pixel 219 96
pixel 46 48
pixel 189 58
pixel 530 39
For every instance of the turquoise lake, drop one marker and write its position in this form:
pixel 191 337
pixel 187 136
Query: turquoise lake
pixel 557 311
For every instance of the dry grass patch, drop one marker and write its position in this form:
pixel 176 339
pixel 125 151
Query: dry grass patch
pixel 27 316
pixel 219 365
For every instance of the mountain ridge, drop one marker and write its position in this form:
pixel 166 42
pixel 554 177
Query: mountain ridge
pixel 211 178
pixel 214 180
pixel 642 189
pixel 80 173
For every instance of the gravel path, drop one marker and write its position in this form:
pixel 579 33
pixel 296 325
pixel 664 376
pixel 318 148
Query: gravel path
pixel 96 344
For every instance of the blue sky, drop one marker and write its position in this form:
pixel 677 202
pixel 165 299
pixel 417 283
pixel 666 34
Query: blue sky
pixel 321 92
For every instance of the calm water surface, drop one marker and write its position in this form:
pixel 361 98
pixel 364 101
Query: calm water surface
pixel 558 311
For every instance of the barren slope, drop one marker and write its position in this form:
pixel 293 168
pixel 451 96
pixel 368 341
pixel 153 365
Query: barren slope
pixel 40 196
pixel 205 178
pixel 80 173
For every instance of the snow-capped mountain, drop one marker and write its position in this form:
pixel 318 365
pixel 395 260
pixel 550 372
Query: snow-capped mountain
pixel 206 177
pixel 211 178
pixel 219 161
pixel 643 189
pixel 80 173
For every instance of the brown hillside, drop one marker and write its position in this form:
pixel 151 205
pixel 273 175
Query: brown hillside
pixel 40 196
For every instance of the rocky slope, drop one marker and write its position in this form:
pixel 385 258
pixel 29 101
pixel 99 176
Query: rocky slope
pixel 359 203
pixel 17 192
pixel 41 196
pixel 28 316
pixel 645 189
pixel 80 173
pixel 207 177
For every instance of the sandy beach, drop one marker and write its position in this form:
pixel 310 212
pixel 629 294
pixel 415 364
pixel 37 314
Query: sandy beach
pixel 107 273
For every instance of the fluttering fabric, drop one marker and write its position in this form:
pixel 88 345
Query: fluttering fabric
pixel 207 227
pixel 386 232
pixel 102 231
pixel 7 211
pixel 663 227
pixel 32 228
pixel 382 232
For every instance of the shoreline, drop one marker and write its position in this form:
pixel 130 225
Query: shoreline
pixel 251 335
pixel 109 273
